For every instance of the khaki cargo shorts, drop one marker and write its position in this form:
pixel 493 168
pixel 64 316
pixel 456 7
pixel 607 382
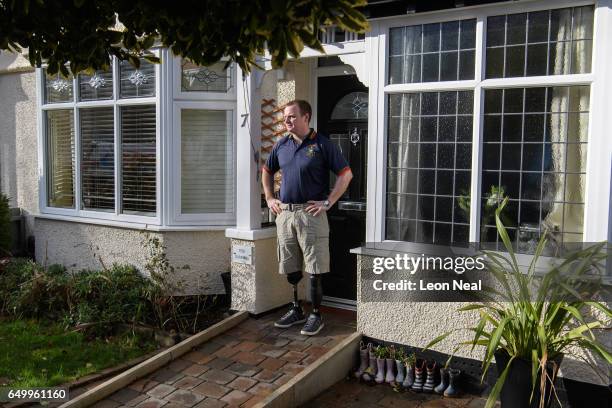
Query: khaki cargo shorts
pixel 303 241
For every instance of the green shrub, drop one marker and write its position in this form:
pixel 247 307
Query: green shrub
pixel 5 225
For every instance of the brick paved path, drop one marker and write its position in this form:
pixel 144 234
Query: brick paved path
pixel 237 368
pixel 352 394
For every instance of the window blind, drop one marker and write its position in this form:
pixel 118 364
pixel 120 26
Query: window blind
pixel 60 158
pixel 97 159
pixel 138 159
pixel 207 168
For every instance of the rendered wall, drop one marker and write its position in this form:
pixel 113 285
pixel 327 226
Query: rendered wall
pixel 18 136
pixel 417 323
pixel 87 246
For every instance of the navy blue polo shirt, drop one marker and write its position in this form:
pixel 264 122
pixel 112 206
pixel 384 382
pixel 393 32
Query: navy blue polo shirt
pixel 305 167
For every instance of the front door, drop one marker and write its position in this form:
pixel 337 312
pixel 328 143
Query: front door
pixel 342 115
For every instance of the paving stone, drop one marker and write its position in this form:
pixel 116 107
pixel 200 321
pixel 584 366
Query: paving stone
pixel 251 335
pixel 247 346
pixel 187 382
pixel 209 347
pixel 210 403
pixel 194 356
pixel 294 356
pixel 242 383
pixel 270 351
pixel 124 395
pixel 317 351
pixel 163 375
pixel 152 403
pixel 392 401
pixel 248 357
pixel 263 389
pixel 173 405
pixel 142 385
pixel 227 340
pixel 220 363
pixel 174 379
pixel 195 370
pixel 107 403
pixel 274 341
pixel 318 340
pixel 135 401
pixel 236 397
pixel 243 370
pixel 292 369
pixel 227 352
pixel 272 364
pixel 179 365
pixel 218 376
pixel 253 401
pixel 268 376
pixel 161 390
pixel 297 345
pixel 284 379
pixel 477 403
pixel 185 397
pixel 211 389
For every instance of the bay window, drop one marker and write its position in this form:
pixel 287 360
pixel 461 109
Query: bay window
pixel 478 110
pixel 100 143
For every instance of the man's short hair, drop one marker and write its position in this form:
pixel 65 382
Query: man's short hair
pixel 303 106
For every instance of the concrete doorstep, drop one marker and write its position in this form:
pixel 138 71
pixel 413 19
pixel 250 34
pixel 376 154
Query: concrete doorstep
pixel 330 368
pixel 148 366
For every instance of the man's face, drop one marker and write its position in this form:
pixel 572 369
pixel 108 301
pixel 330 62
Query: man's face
pixel 295 122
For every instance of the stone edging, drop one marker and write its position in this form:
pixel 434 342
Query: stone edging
pixel 317 377
pixel 146 367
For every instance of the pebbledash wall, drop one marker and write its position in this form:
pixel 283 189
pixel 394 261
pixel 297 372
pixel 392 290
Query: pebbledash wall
pixel 199 257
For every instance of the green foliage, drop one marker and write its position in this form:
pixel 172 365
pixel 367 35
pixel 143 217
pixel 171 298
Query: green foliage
pixel 36 354
pixel 400 354
pixel 5 225
pixel 410 359
pixel 85 33
pixel 493 199
pixel 381 352
pixel 536 316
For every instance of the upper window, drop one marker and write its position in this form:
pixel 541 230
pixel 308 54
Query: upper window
pixel 432 52
pixel 551 42
pixel 109 161
pixel 214 78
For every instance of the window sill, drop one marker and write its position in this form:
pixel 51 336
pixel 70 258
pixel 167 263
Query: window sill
pixel 131 225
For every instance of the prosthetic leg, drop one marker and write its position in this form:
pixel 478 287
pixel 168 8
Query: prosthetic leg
pixel 314 324
pixel 296 314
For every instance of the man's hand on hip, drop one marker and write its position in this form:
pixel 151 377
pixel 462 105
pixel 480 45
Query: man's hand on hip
pixel 316 207
pixel 274 205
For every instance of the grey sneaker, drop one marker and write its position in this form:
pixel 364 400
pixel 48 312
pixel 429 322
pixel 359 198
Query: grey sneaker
pixel 313 325
pixel 294 316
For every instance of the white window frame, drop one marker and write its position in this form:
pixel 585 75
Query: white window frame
pixel 597 191
pixel 116 102
pixel 176 101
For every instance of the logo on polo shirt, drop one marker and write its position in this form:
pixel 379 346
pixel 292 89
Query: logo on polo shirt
pixel 312 151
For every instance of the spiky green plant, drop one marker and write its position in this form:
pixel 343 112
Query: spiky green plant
pixel 536 316
pixel 400 354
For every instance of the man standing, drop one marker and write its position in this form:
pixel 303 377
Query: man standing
pixel 305 159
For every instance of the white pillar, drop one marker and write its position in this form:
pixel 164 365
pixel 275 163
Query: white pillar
pixel 248 178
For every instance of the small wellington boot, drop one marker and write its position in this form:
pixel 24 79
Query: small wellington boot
pixel 390 376
pixel 419 376
pixel 363 355
pixel 370 372
pixel 431 373
pixel 399 365
pixel 443 382
pixel 409 377
pixel 452 391
pixel 380 374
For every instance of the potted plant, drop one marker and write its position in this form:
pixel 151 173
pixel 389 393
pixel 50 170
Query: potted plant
pixel 409 362
pixel 400 355
pixel 382 353
pixel 530 319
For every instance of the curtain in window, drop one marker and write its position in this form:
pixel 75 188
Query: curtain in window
pixel 60 158
pixel 207 166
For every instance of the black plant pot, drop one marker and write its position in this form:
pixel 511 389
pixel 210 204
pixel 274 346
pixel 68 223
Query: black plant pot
pixel 516 390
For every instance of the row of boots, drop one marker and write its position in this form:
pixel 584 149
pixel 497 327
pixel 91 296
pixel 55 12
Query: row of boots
pixel 419 377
